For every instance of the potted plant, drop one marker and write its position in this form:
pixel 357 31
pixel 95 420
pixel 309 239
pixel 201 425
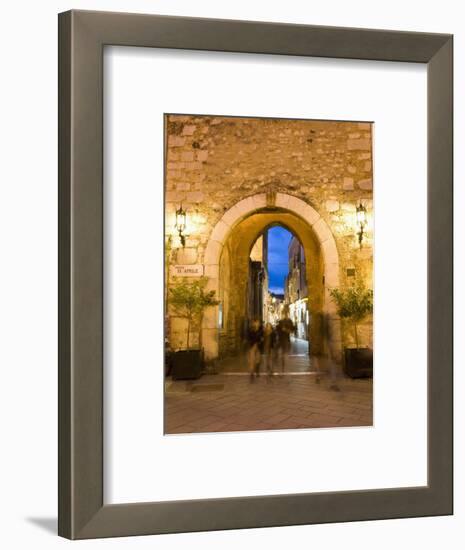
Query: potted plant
pixel 354 304
pixel 189 300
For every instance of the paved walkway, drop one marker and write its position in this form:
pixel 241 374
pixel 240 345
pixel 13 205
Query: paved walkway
pixel 229 401
pixel 298 359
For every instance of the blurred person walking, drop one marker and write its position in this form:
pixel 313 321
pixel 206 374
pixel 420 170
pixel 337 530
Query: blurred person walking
pixel 269 347
pixel 284 330
pixel 254 340
pixel 326 361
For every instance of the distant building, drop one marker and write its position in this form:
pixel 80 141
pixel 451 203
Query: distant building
pixel 275 307
pixel 296 291
pixel 258 279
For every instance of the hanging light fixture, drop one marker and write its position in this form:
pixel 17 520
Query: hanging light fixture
pixel 361 221
pixel 181 217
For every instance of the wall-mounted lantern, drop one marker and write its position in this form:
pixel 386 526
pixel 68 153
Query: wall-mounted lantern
pixel 181 217
pixel 361 221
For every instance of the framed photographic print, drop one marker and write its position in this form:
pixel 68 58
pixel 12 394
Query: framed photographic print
pixel 266 302
pixel 255 227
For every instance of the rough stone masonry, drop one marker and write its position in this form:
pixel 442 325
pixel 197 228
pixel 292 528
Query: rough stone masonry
pixel 214 162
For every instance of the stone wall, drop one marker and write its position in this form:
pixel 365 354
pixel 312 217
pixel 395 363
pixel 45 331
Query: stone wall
pixel 214 162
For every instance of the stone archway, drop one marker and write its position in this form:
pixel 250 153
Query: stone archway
pixel 300 218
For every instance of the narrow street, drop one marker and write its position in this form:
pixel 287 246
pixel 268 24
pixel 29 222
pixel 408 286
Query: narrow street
pixel 229 401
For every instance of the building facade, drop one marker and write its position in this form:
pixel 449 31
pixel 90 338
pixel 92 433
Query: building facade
pixel 257 288
pixel 275 307
pixel 296 292
pixel 237 176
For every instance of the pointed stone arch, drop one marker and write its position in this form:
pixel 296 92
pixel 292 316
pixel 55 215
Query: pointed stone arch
pixel 246 208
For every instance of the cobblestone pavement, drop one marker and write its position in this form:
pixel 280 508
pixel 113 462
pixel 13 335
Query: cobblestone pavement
pixel 298 359
pixel 229 401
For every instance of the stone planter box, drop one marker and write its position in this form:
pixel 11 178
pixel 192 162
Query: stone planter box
pixel 187 364
pixel 358 362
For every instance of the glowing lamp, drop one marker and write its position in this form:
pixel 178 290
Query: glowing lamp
pixel 181 217
pixel 361 221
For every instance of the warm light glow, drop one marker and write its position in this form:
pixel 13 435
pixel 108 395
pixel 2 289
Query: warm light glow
pixel 361 215
pixel 362 221
pixel 181 217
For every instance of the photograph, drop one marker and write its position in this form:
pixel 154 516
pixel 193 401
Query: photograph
pixel 268 273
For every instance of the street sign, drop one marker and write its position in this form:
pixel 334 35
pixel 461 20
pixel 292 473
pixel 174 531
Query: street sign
pixel 187 270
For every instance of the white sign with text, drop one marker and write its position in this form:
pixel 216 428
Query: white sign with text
pixel 187 270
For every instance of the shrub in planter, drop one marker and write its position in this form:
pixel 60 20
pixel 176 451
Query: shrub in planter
pixel 354 304
pixel 189 300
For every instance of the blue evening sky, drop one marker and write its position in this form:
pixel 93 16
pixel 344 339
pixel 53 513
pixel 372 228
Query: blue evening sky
pixel 278 241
